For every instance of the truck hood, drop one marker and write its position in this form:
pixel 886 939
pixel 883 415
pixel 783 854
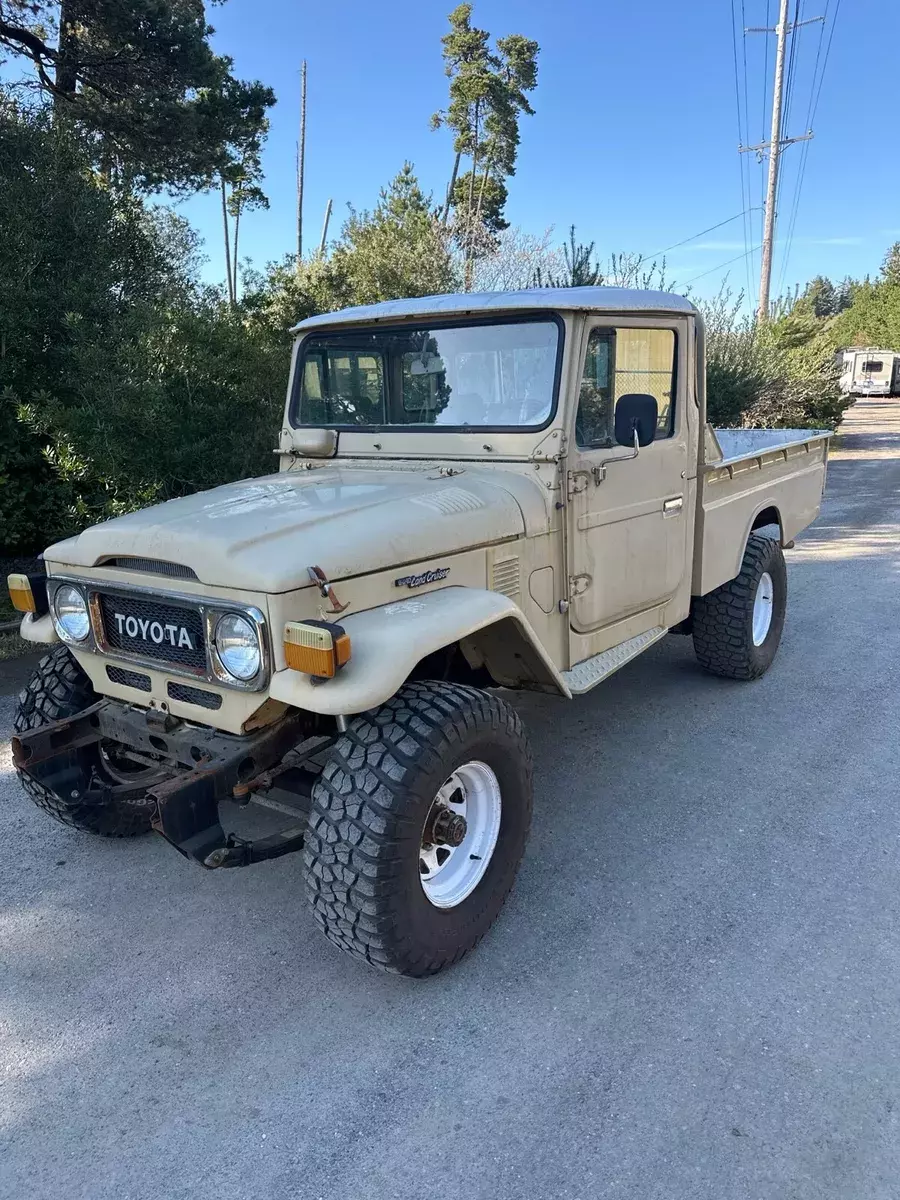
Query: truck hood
pixel 264 534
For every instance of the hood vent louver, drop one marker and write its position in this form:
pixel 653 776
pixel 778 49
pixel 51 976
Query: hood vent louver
pixel 505 577
pixel 152 566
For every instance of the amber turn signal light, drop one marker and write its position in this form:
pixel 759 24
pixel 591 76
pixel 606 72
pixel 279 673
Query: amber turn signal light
pixel 316 647
pixel 21 594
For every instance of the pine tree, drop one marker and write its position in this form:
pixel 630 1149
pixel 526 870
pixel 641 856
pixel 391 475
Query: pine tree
pixel 488 95
pixel 141 79
pixel 890 268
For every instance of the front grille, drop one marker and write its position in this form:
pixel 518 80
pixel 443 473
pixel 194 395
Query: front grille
pixel 129 678
pixel 192 695
pixel 156 629
pixel 153 566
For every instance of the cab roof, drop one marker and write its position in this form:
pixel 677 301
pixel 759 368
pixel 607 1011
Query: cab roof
pixel 530 299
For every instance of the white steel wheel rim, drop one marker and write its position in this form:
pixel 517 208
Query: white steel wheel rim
pixel 763 606
pixel 450 873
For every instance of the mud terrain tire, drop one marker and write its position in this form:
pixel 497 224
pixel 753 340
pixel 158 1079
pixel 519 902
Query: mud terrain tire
pixel 367 826
pixel 723 620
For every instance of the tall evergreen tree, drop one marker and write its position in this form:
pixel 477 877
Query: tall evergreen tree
pixel 488 94
pixel 141 79
pixel 890 268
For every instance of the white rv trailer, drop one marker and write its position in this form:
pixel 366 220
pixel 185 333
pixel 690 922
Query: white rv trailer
pixel 867 371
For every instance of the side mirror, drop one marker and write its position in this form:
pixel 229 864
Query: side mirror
pixel 636 416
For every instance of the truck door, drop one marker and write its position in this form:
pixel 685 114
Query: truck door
pixel 629 517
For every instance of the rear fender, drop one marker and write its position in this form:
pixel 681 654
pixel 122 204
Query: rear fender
pixel 388 642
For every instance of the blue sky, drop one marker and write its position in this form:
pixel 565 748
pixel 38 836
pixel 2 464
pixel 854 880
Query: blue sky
pixel 635 134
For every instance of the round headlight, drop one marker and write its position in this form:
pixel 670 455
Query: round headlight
pixel 70 614
pixel 237 645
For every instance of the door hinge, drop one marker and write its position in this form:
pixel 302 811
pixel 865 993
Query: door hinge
pixel 579 584
pixel 576 483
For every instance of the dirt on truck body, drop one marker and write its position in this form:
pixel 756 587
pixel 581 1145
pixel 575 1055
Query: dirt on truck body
pixel 474 492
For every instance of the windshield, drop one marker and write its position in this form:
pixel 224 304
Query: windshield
pixel 460 376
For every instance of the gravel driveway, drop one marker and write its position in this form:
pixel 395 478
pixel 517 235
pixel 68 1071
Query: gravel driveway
pixel 693 993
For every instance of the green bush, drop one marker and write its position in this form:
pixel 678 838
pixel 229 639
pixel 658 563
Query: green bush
pixel 35 505
pixel 768 376
pixel 77 259
pixel 191 398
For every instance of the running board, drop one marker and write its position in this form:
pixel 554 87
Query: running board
pixel 594 670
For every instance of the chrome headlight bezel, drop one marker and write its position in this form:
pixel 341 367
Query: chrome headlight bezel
pixel 211 610
pixel 79 612
pixel 227 657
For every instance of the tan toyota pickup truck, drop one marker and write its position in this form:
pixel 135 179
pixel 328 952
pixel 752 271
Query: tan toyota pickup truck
pixel 474 492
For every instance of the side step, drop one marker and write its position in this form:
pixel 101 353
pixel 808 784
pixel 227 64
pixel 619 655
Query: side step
pixel 594 670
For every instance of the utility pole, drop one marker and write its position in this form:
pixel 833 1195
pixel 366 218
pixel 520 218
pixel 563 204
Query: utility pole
pixel 776 143
pixel 325 227
pixel 301 158
pixel 765 273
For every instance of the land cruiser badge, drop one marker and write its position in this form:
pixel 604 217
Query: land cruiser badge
pixel 414 581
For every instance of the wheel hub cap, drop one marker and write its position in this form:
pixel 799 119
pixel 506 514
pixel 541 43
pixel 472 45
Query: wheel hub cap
pixel 447 829
pixel 460 834
pixel 763 606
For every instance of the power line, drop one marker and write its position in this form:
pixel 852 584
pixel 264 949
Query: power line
pixel 765 72
pixel 749 260
pixel 745 173
pixel 827 52
pixel 693 238
pixel 792 65
pixel 785 32
pixel 789 89
pixel 801 166
pixel 775 146
pixel 727 263
pixel 814 95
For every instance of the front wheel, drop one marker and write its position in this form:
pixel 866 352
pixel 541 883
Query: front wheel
pixel 737 628
pixel 419 821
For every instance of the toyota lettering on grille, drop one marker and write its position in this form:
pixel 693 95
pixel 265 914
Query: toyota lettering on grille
pixel 153 631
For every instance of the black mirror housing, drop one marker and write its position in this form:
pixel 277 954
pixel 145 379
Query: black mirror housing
pixel 636 412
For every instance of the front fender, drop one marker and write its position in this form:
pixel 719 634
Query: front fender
pixel 389 641
pixel 38 629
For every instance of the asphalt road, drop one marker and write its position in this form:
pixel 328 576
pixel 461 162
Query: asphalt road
pixel 693 992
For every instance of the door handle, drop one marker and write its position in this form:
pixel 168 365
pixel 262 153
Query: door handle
pixel 673 506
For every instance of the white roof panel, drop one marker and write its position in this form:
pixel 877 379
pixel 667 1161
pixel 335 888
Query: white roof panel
pixel 473 303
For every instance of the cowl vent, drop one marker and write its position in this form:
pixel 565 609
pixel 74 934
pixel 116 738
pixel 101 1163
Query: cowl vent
pixel 152 566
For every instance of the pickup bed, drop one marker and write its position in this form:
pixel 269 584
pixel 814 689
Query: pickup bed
pixel 748 475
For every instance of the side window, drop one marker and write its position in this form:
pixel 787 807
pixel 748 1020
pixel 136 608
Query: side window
pixel 593 421
pixel 621 362
pixel 645 362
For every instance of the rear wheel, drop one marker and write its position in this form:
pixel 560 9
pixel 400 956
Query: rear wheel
pixel 58 689
pixel 418 824
pixel 737 628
